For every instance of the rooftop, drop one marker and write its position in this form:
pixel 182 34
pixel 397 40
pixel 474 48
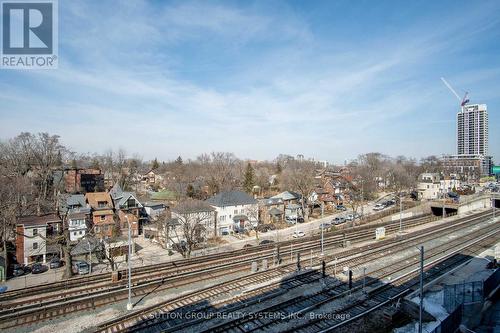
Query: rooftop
pixel 34 220
pixel 231 198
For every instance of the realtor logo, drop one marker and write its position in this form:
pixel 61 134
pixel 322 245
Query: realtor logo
pixel 29 34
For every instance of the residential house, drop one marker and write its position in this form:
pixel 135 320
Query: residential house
pixel 32 233
pixel 433 186
pixel 272 210
pixel 193 213
pixel 154 209
pixel 78 223
pixel 149 177
pixel 292 202
pixel 235 211
pixel 83 180
pixel 102 209
pixel 128 208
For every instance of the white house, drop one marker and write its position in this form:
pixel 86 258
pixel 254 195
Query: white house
pixel 31 235
pixel 431 186
pixel 235 211
pixel 78 223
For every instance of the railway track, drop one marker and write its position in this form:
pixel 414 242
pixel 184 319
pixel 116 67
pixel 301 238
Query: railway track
pixel 379 291
pixel 148 317
pixel 17 302
pixel 101 282
pixel 49 307
pixel 385 294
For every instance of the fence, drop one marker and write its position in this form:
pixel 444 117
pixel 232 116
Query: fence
pixel 491 282
pixel 451 323
pixel 462 293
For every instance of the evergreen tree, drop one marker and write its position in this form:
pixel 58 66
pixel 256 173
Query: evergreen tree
pixel 249 180
pixel 179 161
pixel 155 165
pixel 190 191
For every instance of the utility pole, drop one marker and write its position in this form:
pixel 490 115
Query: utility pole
pixel 444 205
pixel 400 214
pixel 322 230
pixel 421 289
pixel 362 198
pixel 130 306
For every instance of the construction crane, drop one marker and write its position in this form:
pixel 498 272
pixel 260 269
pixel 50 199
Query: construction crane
pixel 463 100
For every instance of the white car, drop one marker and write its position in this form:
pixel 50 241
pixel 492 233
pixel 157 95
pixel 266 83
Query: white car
pixel 378 207
pixel 298 234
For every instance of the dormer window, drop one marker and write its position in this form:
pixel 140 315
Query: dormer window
pixel 102 204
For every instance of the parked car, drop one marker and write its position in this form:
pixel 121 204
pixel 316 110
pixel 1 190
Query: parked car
pixel 341 207
pixel 19 270
pixel 390 202
pixel 55 263
pixel 325 225
pixel 266 241
pixel 291 220
pixel 81 267
pixel 338 220
pixel 246 246
pixel 350 217
pixel 378 207
pixel 38 268
pixel 298 234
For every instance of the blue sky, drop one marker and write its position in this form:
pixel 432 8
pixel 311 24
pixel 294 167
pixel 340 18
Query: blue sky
pixel 327 79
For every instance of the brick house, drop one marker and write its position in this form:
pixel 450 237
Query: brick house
pixel 83 180
pixel 102 212
pixel 129 210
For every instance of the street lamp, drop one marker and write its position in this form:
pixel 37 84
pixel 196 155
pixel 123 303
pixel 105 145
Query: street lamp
pixel 130 306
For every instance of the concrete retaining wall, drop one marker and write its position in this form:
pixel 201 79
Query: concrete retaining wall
pixel 478 204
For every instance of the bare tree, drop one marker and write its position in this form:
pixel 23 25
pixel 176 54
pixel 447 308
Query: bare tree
pixel 221 169
pixel 190 226
pixel 299 176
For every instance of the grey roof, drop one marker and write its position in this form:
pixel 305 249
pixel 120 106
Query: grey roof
pixel 287 195
pixel 122 199
pixel 82 247
pixel 116 192
pixel 78 212
pixel 231 198
pixel 76 200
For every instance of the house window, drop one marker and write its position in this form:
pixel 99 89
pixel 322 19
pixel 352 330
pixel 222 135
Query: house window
pixel 35 246
pixel 103 218
pixel 80 232
pixel 101 204
pixel 74 233
pixel 35 232
pixel 235 212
